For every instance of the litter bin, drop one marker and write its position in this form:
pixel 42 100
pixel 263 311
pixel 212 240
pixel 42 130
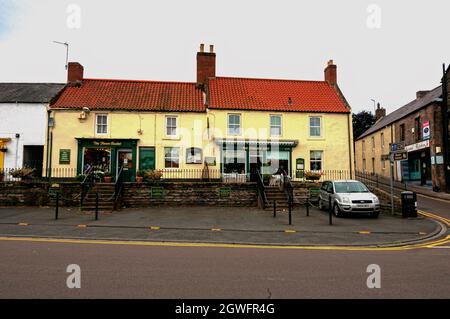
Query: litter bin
pixel 409 204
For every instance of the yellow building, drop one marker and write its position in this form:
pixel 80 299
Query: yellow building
pixel 232 126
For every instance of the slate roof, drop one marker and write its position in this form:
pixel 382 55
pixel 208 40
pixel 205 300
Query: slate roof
pixel 274 95
pixel 405 110
pixel 28 92
pixel 104 94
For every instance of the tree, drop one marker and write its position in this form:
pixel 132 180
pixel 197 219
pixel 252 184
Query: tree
pixel 362 121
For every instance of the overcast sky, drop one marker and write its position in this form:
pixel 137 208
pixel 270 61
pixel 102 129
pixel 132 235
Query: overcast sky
pixel 385 52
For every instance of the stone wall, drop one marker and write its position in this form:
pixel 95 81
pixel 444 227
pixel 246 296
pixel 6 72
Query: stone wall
pixel 189 194
pixel 37 194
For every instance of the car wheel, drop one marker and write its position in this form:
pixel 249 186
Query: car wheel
pixel 374 215
pixel 337 211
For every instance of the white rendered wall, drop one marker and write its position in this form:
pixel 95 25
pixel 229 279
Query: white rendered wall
pixel 26 119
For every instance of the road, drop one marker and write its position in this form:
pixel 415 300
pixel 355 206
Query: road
pixel 38 270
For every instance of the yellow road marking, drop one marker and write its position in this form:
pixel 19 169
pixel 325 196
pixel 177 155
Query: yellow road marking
pixel 23 224
pixel 155 227
pixel 213 245
pixel 206 245
pixel 364 232
pixel 82 226
pixel 290 231
pixel 434 198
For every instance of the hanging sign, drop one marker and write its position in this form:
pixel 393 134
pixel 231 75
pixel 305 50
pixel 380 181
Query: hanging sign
pixel 426 130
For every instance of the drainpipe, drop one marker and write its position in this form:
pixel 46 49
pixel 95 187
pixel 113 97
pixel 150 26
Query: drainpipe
pixel 48 145
pixel 350 146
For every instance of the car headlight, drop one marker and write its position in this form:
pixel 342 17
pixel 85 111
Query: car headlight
pixel 376 200
pixel 345 200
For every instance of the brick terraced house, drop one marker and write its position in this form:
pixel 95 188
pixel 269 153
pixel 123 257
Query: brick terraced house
pixel 231 125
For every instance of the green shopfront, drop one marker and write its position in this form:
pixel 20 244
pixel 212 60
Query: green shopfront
pixel 107 155
pixel 242 158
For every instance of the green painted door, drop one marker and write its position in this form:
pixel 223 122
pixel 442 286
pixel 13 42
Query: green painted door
pixel 146 158
pixel 125 162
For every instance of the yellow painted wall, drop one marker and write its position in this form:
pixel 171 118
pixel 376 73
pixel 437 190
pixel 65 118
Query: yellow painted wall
pixel 334 141
pixel 368 152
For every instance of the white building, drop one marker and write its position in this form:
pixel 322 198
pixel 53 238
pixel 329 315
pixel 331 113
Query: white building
pixel 23 121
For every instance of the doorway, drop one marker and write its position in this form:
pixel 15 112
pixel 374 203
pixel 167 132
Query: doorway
pixel 125 162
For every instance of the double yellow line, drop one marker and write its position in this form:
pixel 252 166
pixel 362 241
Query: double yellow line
pixel 219 245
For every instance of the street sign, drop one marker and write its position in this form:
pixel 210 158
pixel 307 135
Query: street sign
pixel 400 156
pixel 396 147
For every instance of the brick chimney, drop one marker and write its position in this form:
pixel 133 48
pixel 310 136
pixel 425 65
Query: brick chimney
pixel 331 73
pixel 421 94
pixel 74 72
pixel 206 64
pixel 379 112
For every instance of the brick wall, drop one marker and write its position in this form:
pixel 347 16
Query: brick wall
pixel 189 194
pixel 37 194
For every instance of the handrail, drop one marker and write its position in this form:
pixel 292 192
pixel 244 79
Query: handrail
pixel 118 186
pixel 261 188
pixel 86 185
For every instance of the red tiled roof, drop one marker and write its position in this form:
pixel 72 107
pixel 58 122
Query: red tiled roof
pixel 132 95
pixel 273 95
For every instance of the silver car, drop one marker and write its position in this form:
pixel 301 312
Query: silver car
pixel 348 196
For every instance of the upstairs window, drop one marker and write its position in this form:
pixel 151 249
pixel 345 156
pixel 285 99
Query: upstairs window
pixel 101 124
pixel 402 132
pixel 418 129
pixel 275 125
pixel 234 124
pixel 315 126
pixel 171 126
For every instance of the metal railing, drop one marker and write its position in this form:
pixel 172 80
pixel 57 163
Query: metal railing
pixel 261 189
pixel 380 182
pixel 33 174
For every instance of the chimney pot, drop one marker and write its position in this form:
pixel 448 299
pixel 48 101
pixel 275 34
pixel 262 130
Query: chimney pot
pixel 380 112
pixel 75 72
pixel 206 64
pixel 331 73
pixel 421 94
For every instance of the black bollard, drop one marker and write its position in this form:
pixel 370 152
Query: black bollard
pixel 290 211
pixel 330 209
pixel 57 206
pixel 96 206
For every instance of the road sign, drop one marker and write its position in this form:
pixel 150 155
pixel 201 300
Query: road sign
pixel 400 156
pixel 396 147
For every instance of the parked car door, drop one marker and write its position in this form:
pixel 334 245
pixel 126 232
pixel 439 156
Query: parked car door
pixel 324 194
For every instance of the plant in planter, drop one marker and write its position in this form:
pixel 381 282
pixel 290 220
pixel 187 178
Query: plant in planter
pixel 100 175
pixel 153 176
pixel 23 173
pixel 313 176
pixel 140 176
pixel 107 177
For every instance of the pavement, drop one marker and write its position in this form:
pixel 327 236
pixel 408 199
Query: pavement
pixel 218 225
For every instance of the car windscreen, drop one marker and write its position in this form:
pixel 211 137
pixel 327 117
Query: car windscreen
pixel 350 187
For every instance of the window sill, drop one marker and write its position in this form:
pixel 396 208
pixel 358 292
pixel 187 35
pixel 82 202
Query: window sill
pixel 171 138
pixel 319 138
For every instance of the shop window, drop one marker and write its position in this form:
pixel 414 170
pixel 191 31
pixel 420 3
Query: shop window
pixel 146 158
pixel 101 124
pixel 382 140
pixel 315 160
pixel 234 161
pixel 96 159
pixel 171 157
pixel 234 124
pixel 373 143
pixel 315 126
pixel 171 126
pixel 193 155
pixel 275 125
pixel 275 160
